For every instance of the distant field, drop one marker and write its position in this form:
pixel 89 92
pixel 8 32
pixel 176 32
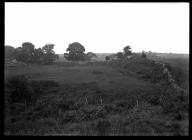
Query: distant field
pixel 100 57
pixel 172 58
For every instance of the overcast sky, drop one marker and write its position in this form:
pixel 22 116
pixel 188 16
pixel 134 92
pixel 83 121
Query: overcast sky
pixel 100 27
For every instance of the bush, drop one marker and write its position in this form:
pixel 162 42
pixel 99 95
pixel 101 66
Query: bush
pixel 66 105
pixel 143 55
pixel 157 73
pixel 17 89
pixel 103 127
pixel 91 112
pixel 29 54
pixel 10 52
pixel 107 58
pixel 154 100
pixel 174 101
pixel 122 105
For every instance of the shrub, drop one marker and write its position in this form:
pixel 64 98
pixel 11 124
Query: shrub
pixel 173 101
pixel 154 100
pixel 9 52
pixel 103 127
pixel 143 55
pixel 107 58
pixel 157 73
pixel 17 89
pixel 66 105
pixel 120 55
pixel 91 112
pixel 122 105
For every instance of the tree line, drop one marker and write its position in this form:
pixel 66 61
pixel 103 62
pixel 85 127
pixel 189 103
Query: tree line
pixel 127 53
pixel 29 54
pixel 75 52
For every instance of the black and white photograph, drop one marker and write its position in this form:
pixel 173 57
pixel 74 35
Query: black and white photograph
pixel 96 68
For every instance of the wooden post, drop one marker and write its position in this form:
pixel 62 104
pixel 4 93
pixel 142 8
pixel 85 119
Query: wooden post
pixel 137 103
pixel 86 102
pixel 76 105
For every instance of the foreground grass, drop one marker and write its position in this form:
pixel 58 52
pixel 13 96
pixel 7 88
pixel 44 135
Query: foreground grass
pixel 92 99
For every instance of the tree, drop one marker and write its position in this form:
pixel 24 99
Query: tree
pixel 56 56
pixel 20 55
pixel 38 55
pixel 66 55
pixel 49 54
pixel 143 55
pixel 107 58
pixel 76 52
pixel 48 48
pixel 127 51
pixel 119 55
pixel 28 47
pixel 90 55
pixel 27 52
pixel 10 52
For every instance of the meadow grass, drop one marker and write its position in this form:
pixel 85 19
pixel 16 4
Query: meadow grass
pixel 92 99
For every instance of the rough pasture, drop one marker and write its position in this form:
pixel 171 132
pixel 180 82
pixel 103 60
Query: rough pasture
pixel 97 99
pixel 107 80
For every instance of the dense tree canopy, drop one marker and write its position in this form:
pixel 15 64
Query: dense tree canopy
pixel 48 48
pixel 38 55
pixel 76 52
pixel 28 47
pixel 49 54
pixel 10 52
pixel 76 47
pixel 29 54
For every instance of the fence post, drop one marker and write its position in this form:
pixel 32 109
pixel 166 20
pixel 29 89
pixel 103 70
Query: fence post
pixel 76 105
pixel 86 102
pixel 137 104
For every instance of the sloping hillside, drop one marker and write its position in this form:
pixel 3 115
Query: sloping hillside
pixel 129 97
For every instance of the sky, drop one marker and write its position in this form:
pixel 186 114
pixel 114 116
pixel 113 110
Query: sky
pixel 99 27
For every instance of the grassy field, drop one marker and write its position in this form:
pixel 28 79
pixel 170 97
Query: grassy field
pixel 95 99
pixel 100 57
pixel 103 77
pixel 179 64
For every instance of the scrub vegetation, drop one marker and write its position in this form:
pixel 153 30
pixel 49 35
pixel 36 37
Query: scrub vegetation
pixel 122 94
